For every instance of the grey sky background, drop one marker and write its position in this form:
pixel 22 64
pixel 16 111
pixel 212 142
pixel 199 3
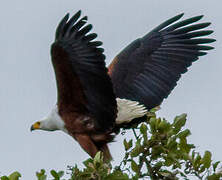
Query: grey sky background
pixel 27 82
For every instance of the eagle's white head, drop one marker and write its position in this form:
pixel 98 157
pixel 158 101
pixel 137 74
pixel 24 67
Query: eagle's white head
pixel 51 122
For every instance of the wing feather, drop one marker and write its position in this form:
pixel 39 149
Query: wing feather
pixel 83 83
pixel 148 69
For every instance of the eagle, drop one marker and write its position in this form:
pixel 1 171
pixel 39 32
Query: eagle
pixel 93 100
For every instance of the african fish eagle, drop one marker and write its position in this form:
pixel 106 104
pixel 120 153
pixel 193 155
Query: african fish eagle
pixel 93 100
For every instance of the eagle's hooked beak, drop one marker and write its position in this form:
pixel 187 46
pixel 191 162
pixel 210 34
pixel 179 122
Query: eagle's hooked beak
pixel 35 126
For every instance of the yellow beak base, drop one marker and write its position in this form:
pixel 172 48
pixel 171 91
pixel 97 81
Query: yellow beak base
pixel 35 126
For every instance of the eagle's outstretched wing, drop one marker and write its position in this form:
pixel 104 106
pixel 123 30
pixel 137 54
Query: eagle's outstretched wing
pixel 83 84
pixel 149 68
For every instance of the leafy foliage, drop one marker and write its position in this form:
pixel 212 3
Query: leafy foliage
pixel 14 176
pixel 56 175
pixel 158 151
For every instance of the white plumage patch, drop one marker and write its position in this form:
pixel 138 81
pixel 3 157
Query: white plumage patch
pixel 53 121
pixel 129 110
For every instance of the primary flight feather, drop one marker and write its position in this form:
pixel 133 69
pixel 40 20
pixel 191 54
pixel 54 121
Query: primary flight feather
pixel 93 101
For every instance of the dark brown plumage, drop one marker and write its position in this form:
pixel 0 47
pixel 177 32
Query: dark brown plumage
pixel 87 108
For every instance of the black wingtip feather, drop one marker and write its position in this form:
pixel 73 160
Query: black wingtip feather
pixel 79 12
pixel 81 23
pixel 90 37
pixel 85 30
pixel 201 33
pixel 197 18
pixel 209 47
pixel 74 29
pixel 167 23
pixel 190 41
pixel 85 18
pixel 75 17
pixel 68 26
pixel 66 16
pixel 61 26
pixel 183 23
pixel 96 43
pixel 70 23
pixel 200 53
pixel 190 28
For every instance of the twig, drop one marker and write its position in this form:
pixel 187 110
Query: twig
pixel 134 132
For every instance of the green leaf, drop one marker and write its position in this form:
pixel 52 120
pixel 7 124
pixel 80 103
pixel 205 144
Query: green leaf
pixel 135 152
pixel 54 174
pixel 60 173
pixel 143 129
pixel 41 175
pixel 184 133
pixel 157 123
pixel 169 160
pixel 117 175
pixel 202 169
pixel 206 160
pixel 197 162
pixel 134 166
pixel 97 159
pixel 127 145
pixel 138 149
pixel 4 178
pixel 153 110
pixel 172 146
pixel 158 165
pixel 172 143
pixel 42 171
pixel 184 146
pixel 14 176
pixel 165 173
pixel 152 124
pixel 215 165
pixel 214 177
pixel 193 154
pixel 88 162
pixel 130 143
pixel 185 156
pixel 164 126
pixel 179 122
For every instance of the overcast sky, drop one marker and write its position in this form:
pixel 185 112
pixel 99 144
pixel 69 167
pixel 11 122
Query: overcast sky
pixel 28 89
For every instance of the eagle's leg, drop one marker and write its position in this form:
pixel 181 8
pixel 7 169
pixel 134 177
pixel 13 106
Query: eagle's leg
pixel 87 144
